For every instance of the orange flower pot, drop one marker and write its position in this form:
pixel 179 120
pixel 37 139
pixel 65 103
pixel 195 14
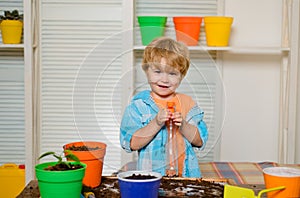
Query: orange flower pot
pixel 282 176
pixel 188 29
pixel 92 158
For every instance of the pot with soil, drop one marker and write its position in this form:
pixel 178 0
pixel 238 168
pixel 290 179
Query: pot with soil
pixel 142 184
pixel 61 178
pixel 92 154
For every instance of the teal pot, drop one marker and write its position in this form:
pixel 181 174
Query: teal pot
pixel 53 184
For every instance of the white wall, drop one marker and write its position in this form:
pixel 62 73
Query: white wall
pixel 252 83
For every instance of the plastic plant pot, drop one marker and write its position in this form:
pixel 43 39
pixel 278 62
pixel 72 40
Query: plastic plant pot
pixel 11 31
pixel 217 30
pixel 151 27
pixel 282 176
pixel 92 158
pixel 143 188
pixel 188 29
pixel 53 184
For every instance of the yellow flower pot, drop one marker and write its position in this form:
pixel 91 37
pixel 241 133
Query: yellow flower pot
pixel 217 29
pixel 11 31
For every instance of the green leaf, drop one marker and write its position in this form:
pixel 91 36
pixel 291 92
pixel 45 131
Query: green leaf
pixel 72 157
pixel 59 158
pixel 46 154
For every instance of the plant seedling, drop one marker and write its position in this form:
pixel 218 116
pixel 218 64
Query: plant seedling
pixel 60 162
pixel 11 15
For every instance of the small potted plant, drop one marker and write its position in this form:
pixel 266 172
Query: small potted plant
pixel 92 154
pixel 139 184
pixel 11 25
pixel 60 178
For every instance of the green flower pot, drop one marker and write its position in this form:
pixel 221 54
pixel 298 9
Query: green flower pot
pixel 53 184
pixel 151 27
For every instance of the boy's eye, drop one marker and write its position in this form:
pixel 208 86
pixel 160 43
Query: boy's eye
pixel 157 71
pixel 173 73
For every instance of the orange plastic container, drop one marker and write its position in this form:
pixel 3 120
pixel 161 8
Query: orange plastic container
pixel 187 29
pixel 12 180
pixel 282 176
pixel 93 159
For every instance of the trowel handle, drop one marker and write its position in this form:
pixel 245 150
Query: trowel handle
pixel 269 190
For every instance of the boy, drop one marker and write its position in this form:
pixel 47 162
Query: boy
pixel 147 122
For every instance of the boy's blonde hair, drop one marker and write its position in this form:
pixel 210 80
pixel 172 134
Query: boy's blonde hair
pixel 175 53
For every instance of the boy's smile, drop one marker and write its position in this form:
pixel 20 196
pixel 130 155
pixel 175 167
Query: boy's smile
pixel 162 86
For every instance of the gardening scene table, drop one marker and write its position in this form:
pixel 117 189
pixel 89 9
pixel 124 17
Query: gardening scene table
pixel 243 174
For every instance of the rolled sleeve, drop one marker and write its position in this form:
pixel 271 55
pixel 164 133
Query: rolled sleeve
pixel 131 122
pixel 195 117
pixel 125 143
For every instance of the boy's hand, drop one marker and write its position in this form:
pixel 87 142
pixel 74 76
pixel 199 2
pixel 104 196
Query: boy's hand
pixel 162 116
pixel 177 118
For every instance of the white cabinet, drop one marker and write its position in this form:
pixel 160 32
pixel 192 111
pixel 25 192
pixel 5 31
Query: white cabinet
pixel 16 93
pixel 269 70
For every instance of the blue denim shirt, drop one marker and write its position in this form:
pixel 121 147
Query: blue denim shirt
pixel 141 110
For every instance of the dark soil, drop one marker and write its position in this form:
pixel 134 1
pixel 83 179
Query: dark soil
pixel 168 188
pixel 109 188
pixel 30 191
pixel 140 177
pixel 63 167
pixel 190 188
pixel 82 148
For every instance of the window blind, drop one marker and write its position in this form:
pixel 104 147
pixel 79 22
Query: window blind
pixel 79 70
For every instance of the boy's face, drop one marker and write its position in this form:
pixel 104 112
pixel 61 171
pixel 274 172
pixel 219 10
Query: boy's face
pixel 163 79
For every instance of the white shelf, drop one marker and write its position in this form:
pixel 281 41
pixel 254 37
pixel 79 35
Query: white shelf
pixel 11 46
pixel 239 50
pixel 257 50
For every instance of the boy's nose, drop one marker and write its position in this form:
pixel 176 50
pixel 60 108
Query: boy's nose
pixel 164 77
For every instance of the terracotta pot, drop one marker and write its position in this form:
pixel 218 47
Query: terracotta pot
pixel 92 158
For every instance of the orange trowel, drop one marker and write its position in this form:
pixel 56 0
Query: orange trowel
pixel 241 192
